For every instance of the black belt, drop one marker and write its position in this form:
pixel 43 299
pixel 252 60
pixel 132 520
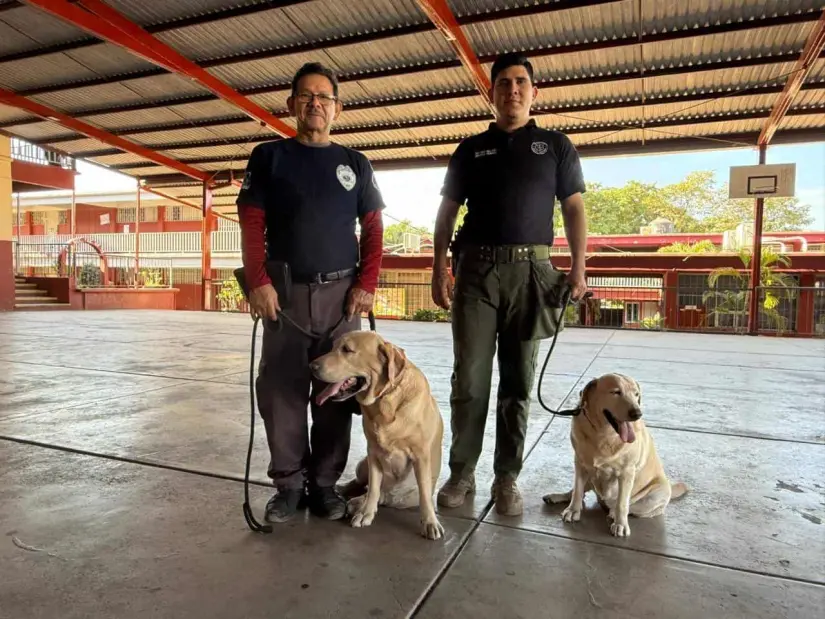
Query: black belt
pixel 507 253
pixel 322 278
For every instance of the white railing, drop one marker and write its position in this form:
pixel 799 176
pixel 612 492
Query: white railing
pixel 226 242
pixel 165 243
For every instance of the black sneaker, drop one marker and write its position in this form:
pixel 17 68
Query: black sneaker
pixel 325 502
pixel 284 504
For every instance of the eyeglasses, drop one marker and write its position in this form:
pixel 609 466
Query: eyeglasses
pixel 323 99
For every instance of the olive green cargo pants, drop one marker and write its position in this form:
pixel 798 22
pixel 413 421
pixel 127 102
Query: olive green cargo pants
pixel 488 307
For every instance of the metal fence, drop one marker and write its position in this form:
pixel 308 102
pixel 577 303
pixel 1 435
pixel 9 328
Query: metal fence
pixel 91 269
pixel 659 308
pixel 24 151
pixel 170 243
pixel 618 302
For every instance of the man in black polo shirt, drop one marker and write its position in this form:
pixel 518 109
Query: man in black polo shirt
pixel 509 176
pixel 299 203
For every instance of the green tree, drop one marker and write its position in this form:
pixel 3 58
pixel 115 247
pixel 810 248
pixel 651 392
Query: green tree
pixel 462 213
pixel 732 300
pixel 700 247
pixel 697 203
pixel 394 233
pixel 779 214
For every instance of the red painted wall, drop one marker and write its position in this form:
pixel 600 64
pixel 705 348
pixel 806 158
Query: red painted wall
pixel 6 277
pixel 124 298
pixel 57 287
pixel 46 176
pixel 87 221
pixel 189 297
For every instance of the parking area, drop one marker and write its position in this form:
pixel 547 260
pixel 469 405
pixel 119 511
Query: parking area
pixel 123 437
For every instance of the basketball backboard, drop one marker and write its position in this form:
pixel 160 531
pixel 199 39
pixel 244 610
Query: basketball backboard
pixel 776 180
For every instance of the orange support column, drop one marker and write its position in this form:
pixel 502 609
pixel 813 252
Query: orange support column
pixel 206 247
pixel 137 236
pixel 6 249
pixel 805 309
pixel 671 297
pixel 756 258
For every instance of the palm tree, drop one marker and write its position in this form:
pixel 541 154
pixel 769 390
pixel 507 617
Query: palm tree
pixel 733 299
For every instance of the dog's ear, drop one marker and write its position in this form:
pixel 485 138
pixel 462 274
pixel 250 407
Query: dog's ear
pixel 587 391
pixel 396 360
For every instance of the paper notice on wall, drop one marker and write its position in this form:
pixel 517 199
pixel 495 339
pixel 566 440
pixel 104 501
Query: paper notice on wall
pixel 104 219
pixel 126 229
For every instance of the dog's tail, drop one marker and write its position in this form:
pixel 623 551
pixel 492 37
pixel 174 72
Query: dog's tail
pixel 678 489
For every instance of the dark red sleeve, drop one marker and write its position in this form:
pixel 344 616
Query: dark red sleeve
pixel 253 244
pixel 372 249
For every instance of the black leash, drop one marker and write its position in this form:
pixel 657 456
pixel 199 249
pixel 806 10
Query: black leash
pixel 247 509
pixel 567 301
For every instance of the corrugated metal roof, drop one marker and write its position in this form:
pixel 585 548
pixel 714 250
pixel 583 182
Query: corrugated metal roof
pixel 35 29
pixel 318 21
pixel 155 116
pixel 710 71
pixel 119 93
pixel 158 12
pixel 548 30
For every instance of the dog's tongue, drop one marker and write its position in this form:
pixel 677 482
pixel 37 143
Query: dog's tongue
pixel 626 432
pixel 327 393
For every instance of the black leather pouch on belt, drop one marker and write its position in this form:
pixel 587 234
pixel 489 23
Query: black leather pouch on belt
pixel 281 277
pixel 544 317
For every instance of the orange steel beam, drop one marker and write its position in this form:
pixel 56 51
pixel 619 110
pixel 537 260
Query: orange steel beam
pixel 183 202
pixel 813 48
pixel 13 100
pixel 442 17
pixel 104 22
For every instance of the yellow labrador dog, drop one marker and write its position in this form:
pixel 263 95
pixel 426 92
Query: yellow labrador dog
pixel 615 456
pixel 401 421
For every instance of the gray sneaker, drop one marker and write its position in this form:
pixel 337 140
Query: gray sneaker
pixel 506 496
pixel 452 493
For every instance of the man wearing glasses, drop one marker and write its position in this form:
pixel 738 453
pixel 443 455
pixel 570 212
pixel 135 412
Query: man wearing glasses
pixel 299 203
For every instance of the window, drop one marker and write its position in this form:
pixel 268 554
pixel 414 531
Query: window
pixel 631 312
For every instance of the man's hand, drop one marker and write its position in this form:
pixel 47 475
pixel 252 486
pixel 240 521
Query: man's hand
pixel 578 283
pixel 442 288
pixel 359 301
pixel 263 302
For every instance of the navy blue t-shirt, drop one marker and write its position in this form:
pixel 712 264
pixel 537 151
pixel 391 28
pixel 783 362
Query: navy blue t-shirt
pixel 312 197
pixel 510 182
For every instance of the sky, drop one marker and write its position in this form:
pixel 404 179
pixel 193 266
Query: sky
pixel 420 204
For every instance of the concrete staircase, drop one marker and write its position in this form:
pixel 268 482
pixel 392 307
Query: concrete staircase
pixel 29 297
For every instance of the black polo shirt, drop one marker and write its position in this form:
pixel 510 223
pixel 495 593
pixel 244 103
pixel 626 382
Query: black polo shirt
pixel 510 182
pixel 312 196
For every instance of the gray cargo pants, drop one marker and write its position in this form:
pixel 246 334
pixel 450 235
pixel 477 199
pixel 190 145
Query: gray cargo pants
pixel 285 388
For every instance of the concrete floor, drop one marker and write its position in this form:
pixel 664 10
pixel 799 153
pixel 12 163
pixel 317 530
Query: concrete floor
pixel 123 437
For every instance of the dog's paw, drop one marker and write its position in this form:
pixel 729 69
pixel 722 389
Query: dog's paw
pixel 363 518
pixel 571 514
pixel 354 505
pixel 555 499
pixel 432 529
pixel 618 529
